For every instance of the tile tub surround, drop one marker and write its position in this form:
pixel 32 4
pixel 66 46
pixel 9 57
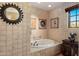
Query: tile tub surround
pixel 51 51
pixel 46 47
pixel 15 39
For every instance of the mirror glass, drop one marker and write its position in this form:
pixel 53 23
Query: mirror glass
pixel 11 13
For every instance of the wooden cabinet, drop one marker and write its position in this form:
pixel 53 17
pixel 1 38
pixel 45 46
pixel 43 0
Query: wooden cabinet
pixel 69 48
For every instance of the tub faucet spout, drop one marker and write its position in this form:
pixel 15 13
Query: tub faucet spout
pixel 35 43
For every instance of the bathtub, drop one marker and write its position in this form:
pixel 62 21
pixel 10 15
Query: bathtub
pixel 44 44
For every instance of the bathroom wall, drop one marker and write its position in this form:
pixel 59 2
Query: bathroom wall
pixel 63 31
pixel 38 14
pixel 15 39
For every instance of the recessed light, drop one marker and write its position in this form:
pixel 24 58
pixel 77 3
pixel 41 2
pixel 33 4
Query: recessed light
pixel 49 5
pixel 38 2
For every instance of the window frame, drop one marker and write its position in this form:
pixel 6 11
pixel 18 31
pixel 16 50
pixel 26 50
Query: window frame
pixel 69 22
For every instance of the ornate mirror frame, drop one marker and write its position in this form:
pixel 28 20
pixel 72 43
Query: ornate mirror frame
pixel 3 16
pixel 42 23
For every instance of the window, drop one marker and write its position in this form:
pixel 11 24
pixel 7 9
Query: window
pixel 73 16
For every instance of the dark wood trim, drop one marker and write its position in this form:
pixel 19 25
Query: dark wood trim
pixel 72 7
pixel 69 19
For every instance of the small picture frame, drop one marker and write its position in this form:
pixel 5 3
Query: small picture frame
pixel 33 23
pixel 42 23
pixel 54 22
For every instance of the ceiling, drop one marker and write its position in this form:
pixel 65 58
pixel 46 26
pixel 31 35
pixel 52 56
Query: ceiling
pixel 44 5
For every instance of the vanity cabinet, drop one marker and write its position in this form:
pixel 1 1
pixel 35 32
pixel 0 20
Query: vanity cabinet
pixel 69 48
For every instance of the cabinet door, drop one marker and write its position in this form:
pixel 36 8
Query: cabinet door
pixel 66 50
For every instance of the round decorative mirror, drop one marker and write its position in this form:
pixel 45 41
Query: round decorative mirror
pixel 43 23
pixel 11 13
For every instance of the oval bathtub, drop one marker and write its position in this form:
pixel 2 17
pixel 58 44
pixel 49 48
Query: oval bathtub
pixel 43 44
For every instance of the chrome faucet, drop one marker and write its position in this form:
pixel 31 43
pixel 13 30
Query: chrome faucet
pixel 35 43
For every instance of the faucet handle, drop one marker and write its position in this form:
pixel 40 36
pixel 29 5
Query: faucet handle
pixel 37 44
pixel 35 41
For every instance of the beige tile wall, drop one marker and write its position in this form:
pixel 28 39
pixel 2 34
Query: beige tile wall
pixel 15 39
pixel 39 14
pixel 63 31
